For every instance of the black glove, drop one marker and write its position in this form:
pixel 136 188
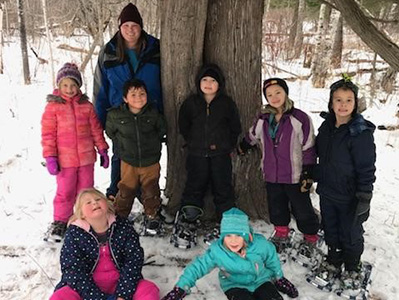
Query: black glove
pixel 243 147
pixel 306 179
pixel 286 287
pixel 363 206
pixel 175 294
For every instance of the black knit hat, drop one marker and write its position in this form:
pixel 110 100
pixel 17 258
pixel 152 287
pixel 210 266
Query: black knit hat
pixel 130 13
pixel 211 73
pixel 345 84
pixel 272 81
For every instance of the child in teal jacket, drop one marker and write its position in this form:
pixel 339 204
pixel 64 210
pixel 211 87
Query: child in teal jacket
pixel 248 263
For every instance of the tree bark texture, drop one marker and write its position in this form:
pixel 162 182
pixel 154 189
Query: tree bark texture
pixel 369 33
pixel 293 28
pixel 233 41
pixel 182 29
pixel 299 30
pixel 2 6
pixel 336 52
pixel 24 47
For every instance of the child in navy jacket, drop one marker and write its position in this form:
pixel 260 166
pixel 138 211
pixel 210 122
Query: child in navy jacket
pixel 101 257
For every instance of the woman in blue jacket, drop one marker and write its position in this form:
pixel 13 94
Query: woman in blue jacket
pixel 131 53
pixel 248 264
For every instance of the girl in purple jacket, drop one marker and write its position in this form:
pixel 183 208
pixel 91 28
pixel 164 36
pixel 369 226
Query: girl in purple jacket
pixel 285 135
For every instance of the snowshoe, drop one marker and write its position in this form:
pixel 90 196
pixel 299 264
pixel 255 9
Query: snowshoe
pixel 184 234
pixel 354 285
pixel 213 235
pixel 324 277
pixel 55 232
pixel 151 227
pixel 306 254
pixel 283 245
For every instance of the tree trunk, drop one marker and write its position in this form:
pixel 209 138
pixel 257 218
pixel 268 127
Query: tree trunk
pixel 336 52
pixel 232 40
pixel 49 38
pixel 1 37
pixel 293 28
pixel 320 61
pixel 369 34
pixel 299 31
pixel 182 29
pixel 24 47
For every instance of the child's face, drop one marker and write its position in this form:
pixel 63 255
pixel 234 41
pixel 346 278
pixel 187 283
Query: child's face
pixel 343 103
pixel 234 242
pixel 68 87
pixel 275 96
pixel 136 98
pixel 93 207
pixel 131 32
pixel 209 86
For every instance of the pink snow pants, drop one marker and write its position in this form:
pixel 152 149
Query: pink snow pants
pixel 106 277
pixel 69 183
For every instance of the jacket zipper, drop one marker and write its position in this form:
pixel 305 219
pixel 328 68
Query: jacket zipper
pixel 206 129
pixel 138 140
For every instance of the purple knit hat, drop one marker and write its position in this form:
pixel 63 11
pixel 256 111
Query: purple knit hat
pixel 69 70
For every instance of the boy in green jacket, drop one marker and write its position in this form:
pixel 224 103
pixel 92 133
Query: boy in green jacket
pixel 248 263
pixel 138 129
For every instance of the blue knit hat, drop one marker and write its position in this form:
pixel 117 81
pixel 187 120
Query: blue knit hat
pixel 235 221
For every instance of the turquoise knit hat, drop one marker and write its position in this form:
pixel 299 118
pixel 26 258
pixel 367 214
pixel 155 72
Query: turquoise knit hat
pixel 235 221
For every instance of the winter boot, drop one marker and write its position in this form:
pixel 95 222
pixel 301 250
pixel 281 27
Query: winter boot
pixel 213 235
pixel 184 233
pixel 281 238
pixel 55 232
pixel 354 284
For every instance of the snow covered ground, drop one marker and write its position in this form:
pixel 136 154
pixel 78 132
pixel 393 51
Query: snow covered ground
pixel 30 267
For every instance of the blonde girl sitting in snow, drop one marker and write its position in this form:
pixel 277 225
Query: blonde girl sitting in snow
pixel 248 263
pixel 71 133
pixel 101 257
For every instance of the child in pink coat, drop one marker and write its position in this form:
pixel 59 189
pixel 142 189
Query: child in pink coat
pixel 101 257
pixel 70 134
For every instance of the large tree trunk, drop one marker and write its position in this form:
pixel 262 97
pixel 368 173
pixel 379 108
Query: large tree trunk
pixel 182 29
pixel 233 41
pixel 293 28
pixel 369 34
pixel 24 47
pixel 299 30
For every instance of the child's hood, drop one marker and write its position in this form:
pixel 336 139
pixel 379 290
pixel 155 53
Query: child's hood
pixel 215 69
pixel 57 97
pixel 86 226
pixel 356 125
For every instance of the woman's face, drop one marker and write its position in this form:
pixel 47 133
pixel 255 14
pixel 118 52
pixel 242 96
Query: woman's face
pixel 131 32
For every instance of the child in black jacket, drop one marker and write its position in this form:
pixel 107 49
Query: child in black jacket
pixel 345 175
pixel 210 124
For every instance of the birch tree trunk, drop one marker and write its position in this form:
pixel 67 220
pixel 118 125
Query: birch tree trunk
pixel 24 47
pixel 320 61
pixel 232 39
pixel 49 39
pixel 2 6
pixel 336 52
pixel 299 31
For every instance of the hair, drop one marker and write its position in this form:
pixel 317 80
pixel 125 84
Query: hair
pixel 287 106
pixel 79 202
pixel 135 84
pixel 120 45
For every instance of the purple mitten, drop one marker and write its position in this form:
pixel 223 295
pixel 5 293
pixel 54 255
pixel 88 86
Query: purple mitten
pixel 104 158
pixel 175 294
pixel 52 165
pixel 286 287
